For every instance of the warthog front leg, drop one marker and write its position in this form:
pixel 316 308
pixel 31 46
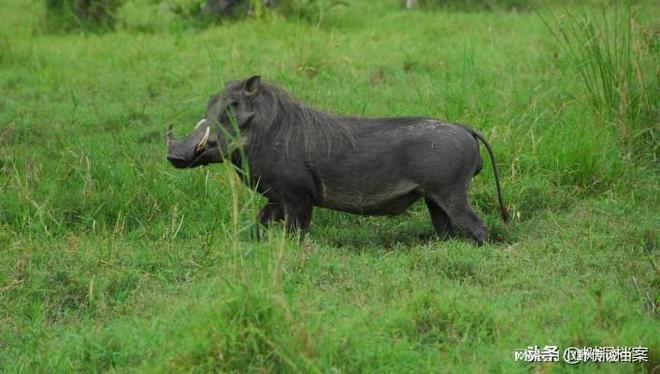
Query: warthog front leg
pixel 273 211
pixel 298 211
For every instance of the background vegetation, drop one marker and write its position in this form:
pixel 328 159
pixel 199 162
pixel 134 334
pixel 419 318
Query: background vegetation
pixel 112 260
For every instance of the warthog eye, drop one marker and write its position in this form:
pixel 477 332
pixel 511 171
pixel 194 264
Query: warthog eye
pixel 231 107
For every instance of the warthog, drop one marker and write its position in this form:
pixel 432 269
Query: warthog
pixel 300 157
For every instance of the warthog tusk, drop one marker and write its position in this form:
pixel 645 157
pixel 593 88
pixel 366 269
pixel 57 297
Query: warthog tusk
pixel 200 123
pixel 202 143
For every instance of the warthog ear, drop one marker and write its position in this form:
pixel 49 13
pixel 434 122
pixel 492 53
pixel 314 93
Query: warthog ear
pixel 251 86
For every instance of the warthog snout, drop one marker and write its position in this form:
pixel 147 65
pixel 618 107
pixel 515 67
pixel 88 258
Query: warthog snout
pixel 198 148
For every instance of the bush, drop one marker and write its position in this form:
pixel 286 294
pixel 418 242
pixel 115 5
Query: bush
pixel 477 5
pixel 83 14
pixel 617 69
pixel 187 9
pixel 313 11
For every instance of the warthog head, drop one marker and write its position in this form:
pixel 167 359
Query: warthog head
pixel 216 136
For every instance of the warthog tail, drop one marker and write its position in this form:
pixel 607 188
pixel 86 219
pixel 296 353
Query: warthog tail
pixel 477 135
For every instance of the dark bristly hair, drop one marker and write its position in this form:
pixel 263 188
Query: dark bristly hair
pixel 289 118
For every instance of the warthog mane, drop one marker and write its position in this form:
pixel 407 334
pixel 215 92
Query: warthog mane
pixel 286 117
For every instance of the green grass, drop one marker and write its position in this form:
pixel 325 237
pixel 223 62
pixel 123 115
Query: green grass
pixel 608 52
pixel 112 260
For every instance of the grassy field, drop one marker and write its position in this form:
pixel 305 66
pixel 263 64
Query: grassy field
pixel 111 260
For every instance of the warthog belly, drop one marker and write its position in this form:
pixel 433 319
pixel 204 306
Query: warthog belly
pixel 389 200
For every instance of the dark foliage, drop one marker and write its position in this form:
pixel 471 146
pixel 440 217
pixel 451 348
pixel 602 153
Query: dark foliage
pixel 83 14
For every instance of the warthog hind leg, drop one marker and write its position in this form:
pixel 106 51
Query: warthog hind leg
pixel 440 220
pixel 458 208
